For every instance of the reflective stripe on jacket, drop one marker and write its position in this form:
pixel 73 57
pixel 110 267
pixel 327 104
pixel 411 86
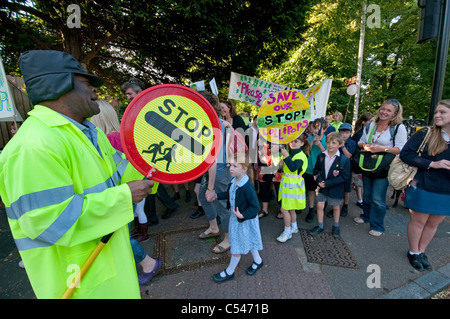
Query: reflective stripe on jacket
pixel 61 197
pixel 292 186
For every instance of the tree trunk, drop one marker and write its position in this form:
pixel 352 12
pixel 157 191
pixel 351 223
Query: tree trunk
pixel 72 42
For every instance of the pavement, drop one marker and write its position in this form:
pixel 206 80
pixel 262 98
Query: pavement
pixel 382 272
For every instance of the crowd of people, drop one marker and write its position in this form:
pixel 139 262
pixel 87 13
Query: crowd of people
pixel 80 176
pixel 317 169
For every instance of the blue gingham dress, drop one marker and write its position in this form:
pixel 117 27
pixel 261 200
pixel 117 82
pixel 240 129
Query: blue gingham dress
pixel 246 235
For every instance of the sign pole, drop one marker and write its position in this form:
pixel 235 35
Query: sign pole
pixel 360 63
pixel 348 105
pixel 351 90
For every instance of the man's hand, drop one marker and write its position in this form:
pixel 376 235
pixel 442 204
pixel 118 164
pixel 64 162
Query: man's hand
pixel 140 189
pixel 210 196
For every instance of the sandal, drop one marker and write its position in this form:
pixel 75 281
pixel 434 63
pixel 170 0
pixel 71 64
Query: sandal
pixel 358 220
pixel 278 216
pixel 262 214
pixel 205 235
pixel 375 233
pixel 221 249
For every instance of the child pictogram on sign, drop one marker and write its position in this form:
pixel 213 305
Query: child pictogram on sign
pixel 167 155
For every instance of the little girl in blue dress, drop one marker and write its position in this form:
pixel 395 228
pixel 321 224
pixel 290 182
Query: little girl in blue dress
pixel 244 232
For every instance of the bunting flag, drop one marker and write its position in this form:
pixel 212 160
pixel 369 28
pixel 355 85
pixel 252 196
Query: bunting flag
pixel 198 86
pixel 213 86
pixel 255 91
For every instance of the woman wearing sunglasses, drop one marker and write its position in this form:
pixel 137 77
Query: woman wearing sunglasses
pixel 387 134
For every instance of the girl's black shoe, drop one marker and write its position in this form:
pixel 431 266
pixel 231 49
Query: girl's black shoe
pixel 219 279
pixel 425 264
pixel 251 271
pixel 415 261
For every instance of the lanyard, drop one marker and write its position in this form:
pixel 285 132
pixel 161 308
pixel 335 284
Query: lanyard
pixel 372 133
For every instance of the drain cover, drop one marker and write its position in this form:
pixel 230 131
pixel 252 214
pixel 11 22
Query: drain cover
pixel 327 250
pixel 182 250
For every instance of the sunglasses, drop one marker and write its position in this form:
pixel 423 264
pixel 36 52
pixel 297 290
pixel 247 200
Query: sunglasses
pixel 393 102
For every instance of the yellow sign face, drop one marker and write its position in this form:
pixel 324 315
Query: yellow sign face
pixel 182 129
pixel 283 116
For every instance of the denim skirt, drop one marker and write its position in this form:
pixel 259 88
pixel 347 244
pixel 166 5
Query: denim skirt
pixel 421 201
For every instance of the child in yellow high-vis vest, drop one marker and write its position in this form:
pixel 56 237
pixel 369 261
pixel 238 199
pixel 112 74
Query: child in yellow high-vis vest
pixel 292 187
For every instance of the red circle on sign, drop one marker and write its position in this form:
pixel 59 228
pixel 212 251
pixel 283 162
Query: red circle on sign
pixel 128 125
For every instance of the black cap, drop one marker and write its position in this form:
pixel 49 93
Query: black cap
pixel 49 74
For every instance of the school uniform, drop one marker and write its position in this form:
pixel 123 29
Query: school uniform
pixel 244 233
pixel 334 171
pixel 430 185
pixel 350 145
pixel 310 183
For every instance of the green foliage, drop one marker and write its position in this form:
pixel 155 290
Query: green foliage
pixel 297 43
pixel 394 66
pixel 159 41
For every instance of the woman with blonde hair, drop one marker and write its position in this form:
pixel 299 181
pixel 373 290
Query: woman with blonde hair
pixel 108 121
pixel 387 134
pixel 428 194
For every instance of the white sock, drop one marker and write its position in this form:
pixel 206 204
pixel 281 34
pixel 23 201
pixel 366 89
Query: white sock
pixel 287 229
pixel 411 253
pixel 232 266
pixel 140 213
pixel 256 257
pixel 294 225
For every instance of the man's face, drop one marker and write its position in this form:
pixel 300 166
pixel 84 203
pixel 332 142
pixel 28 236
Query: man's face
pixel 80 102
pixel 131 94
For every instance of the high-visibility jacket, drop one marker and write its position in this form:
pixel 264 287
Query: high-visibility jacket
pixel 61 198
pixel 292 185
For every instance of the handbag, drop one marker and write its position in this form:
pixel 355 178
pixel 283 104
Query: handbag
pixel 375 165
pixel 401 174
pixel 355 164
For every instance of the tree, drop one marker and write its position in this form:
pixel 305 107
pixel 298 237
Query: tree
pixel 27 25
pixel 159 41
pixel 394 66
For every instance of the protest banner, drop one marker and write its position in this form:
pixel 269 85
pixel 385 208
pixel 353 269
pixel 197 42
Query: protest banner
pixel 255 91
pixel 283 116
pixel 8 110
